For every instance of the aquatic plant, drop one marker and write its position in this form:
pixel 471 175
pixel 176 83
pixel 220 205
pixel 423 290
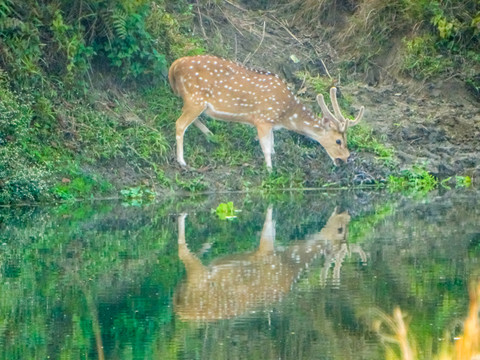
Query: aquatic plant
pixel 226 211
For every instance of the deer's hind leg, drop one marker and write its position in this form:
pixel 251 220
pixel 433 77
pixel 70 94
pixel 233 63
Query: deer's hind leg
pixel 202 127
pixel 189 115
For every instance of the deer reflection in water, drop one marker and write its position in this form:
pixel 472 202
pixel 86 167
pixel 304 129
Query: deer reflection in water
pixel 236 284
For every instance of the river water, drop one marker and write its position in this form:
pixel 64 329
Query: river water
pixel 293 276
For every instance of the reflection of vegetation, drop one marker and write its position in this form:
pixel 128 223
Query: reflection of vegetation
pixel 359 229
pixel 415 180
pixel 54 262
pixel 137 195
pixel 394 331
pixel 463 181
pixel 73 272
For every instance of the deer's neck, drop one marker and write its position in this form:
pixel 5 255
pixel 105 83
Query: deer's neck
pixel 301 119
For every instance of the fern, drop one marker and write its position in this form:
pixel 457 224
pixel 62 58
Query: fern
pixel 119 23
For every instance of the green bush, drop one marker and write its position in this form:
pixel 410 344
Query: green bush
pixel 21 178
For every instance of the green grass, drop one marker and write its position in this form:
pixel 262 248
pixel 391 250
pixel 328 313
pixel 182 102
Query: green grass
pixel 195 184
pixel 416 180
pixel 319 84
pixel 422 60
pixel 361 137
pixel 278 180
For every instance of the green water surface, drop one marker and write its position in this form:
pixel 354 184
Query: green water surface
pixel 293 276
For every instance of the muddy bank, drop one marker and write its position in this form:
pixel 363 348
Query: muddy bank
pixel 434 124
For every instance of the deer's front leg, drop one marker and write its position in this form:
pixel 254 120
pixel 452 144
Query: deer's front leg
pixel 190 113
pixel 265 136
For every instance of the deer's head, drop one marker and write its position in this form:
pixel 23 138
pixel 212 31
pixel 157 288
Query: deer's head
pixel 334 138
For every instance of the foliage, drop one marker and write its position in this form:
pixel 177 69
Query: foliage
pixel 21 178
pixel 416 179
pixel 137 195
pixel 57 120
pixel 80 187
pixel 362 138
pixel 422 59
pixel 128 36
pixel 132 49
pixel 319 84
pixel 194 184
pixel 226 211
pixel 278 180
pixel 463 181
pixel 427 37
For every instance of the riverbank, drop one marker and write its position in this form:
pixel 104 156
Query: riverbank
pixel 80 119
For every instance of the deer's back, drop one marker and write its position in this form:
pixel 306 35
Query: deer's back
pixel 228 89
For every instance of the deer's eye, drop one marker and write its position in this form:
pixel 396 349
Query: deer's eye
pixel 339 142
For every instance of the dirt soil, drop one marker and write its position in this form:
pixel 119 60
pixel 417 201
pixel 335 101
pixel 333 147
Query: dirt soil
pixel 436 124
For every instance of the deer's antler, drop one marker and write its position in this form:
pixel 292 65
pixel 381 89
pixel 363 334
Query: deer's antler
pixel 339 120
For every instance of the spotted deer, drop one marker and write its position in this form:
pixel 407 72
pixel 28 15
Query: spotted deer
pixel 236 284
pixel 228 91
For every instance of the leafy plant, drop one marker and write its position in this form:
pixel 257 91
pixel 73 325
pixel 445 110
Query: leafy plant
pixel 192 185
pixel 226 211
pixel 276 181
pixel 362 138
pixel 416 179
pixel 463 181
pixel 81 186
pixel 132 49
pixel 422 59
pixel 137 195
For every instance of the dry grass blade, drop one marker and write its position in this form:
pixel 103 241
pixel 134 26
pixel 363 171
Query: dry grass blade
pixel 468 346
pixel 393 330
